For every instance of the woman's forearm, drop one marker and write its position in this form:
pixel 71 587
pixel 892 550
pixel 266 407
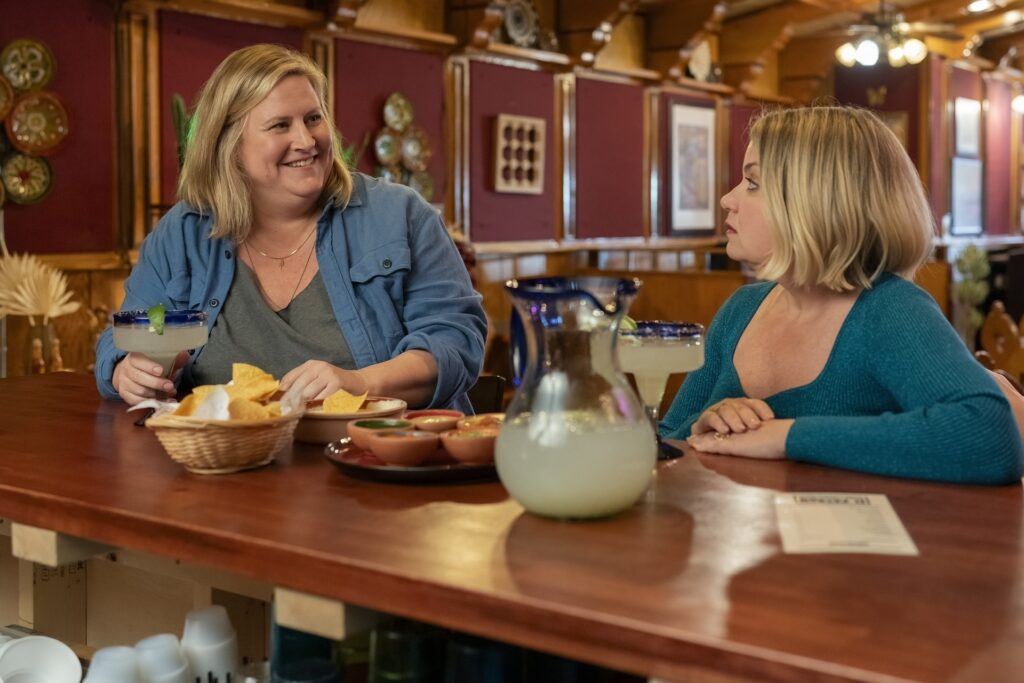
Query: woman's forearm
pixel 410 376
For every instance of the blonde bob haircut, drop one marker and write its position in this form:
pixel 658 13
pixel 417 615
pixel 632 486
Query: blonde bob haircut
pixel 844 200
pixel 211 178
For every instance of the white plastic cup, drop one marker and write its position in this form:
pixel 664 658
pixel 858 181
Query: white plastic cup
pixel 210 643
pixel 117 664
pixel 38 659
pixel 162 661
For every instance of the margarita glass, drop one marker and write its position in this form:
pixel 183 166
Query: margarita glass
pixel 653 351
pixel 183 330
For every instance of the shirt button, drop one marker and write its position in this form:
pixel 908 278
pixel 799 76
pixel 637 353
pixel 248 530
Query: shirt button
pixel 227 254
pixel 214 303
pixel 387 263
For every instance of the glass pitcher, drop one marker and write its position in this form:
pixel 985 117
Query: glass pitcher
pixel 576 442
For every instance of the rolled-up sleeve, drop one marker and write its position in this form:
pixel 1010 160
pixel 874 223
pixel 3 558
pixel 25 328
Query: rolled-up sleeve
pixel 442 313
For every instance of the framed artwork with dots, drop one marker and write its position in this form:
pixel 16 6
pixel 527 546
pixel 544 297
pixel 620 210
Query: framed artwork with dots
pixel 519 154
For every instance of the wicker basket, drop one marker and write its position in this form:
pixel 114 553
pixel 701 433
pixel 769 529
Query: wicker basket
pixel 219 446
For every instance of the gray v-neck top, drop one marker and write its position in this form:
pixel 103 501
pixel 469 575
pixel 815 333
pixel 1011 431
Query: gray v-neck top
pixel 249 331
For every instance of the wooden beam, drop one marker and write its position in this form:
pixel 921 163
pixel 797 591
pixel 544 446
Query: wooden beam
pixel 321 616
pixel 584 45
pixel 50 548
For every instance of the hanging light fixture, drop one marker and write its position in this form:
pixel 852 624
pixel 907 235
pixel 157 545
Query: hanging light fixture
pixel 898 51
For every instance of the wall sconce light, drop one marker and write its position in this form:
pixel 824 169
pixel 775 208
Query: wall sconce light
pixel 898 51
pixel 1018 104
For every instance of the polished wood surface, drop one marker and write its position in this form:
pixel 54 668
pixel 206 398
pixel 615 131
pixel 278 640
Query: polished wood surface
pixel 691 584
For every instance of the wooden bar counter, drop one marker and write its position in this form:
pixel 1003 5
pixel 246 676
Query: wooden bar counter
pixel 690 585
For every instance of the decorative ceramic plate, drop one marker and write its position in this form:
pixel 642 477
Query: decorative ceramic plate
pixel 423 182
pixel 392 174
pixel 27 179
pixel 521 23
pixel 700 61
pixel 387 146
pixel 416 150
pixel 360 464
pixel 38 123
pixel 398 111
pixel 27 64
pixel 6 97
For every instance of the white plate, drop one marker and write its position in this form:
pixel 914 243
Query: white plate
pixel 317 426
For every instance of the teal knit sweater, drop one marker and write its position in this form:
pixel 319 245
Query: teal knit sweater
pixel 899 395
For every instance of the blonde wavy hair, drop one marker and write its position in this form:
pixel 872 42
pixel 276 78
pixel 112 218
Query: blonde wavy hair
pixel 211 177
pixel 843 198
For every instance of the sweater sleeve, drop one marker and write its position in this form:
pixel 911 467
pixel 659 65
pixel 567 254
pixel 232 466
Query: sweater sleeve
pixel 953 423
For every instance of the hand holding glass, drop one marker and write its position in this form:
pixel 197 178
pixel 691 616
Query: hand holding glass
pixel 183 331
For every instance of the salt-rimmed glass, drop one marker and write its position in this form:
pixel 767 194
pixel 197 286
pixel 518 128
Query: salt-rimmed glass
pixel 654 350
pixel 183 331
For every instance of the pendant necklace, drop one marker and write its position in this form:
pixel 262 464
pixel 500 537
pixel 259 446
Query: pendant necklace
pixel 281 259
pixel 295 289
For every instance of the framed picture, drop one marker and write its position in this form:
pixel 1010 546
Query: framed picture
pixel 967 197
pixel 967 127
pixel 692 168
pixel 897 122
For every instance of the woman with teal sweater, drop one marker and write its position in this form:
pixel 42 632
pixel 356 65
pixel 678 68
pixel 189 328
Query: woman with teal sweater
pixel 838 358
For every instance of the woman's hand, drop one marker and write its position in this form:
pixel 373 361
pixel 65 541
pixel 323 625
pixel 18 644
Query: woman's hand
pixel 733 415
pixel 317 379
pixel 137 378
pixel 768 442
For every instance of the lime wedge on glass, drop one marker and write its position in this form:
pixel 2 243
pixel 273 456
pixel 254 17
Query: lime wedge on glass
pixel 156 318
pixel 627 324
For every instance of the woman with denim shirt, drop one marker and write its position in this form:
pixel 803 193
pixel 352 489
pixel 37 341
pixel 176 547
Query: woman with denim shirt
pixel 325 278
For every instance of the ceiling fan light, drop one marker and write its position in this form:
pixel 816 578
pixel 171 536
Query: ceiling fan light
pixel 979 6
pixel 896 56
pixel 867 52
pixel 846 54
pixel 915 51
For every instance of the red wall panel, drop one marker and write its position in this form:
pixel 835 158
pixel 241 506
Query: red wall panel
pixel 997 157
pixel 494 216
pixel 191 47
pixel 365 74
pixel 78 214
pixel 741 117
pixel 609 159
pixel 902 93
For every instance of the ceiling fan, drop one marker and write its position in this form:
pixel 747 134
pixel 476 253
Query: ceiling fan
pixel 885 32
pixel 887 21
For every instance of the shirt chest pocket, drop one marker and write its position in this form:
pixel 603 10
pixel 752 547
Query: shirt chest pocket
pixel 378 278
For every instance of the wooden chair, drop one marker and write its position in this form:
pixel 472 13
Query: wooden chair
pixel 1002 348
pixel 488 394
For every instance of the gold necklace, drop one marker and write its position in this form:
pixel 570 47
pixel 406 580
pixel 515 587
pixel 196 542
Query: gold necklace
pixel 281 259
pixel 259 284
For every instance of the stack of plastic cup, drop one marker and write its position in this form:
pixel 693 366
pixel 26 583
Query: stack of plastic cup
pixel 210 643
pixel 114 665
pixel 162 661
pixel 38 659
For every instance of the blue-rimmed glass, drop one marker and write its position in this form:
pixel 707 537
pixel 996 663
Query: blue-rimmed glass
pixel 183 330
pixel 652 352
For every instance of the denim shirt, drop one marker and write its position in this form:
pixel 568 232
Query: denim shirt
pixel 393 276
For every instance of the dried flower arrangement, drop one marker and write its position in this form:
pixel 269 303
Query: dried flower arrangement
pixel 31 288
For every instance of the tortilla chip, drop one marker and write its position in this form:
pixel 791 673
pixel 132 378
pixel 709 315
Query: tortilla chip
pixel 273 409
pixel 343 402
pixel 202 391
pixel 249 381
pixel 187 406
pixel 244 409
